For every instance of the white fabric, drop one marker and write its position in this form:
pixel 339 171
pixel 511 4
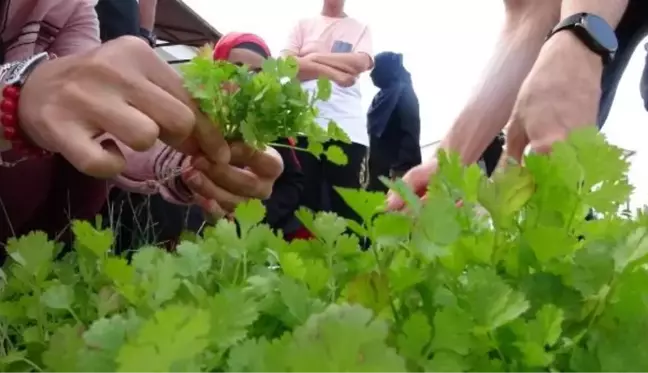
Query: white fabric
pixel 345 108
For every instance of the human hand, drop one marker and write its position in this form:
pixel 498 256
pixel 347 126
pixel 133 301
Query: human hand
pixel 418 179
pixel 219 188
pixel 123 89
pixel 561 93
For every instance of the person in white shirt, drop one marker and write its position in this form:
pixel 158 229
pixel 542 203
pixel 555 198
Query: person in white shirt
pixel 338 47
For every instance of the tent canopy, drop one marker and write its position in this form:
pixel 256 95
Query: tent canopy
pixel 177 24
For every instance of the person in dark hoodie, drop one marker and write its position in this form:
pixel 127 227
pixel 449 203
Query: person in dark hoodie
pixel 393 121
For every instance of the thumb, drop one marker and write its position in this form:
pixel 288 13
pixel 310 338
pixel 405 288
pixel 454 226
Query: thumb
pixel 417 178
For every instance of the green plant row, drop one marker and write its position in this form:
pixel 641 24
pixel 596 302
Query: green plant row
pixel 528 286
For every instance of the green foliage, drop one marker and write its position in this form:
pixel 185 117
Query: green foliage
pixel 528 286
pixel 263 107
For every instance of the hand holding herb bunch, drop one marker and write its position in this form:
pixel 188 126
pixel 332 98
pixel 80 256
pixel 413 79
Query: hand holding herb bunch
pixel 263 107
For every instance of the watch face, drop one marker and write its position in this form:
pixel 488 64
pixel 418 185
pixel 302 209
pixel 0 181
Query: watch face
pixel 600 30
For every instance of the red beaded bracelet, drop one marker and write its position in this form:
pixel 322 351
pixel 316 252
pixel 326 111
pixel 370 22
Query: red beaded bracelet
pixel 9 120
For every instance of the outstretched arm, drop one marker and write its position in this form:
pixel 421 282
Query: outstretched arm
pixel 526 25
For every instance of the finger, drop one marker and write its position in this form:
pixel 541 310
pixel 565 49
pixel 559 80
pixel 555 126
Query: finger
pixel 544 144
pixel 265 164
pixel 174 118
pixel 516 141
pixel 207 135
pixel 100 160
pixel 211 141
pixel 202 186
pixel 211 209
pixel 129 125
pixel 417 179
pixel 236 180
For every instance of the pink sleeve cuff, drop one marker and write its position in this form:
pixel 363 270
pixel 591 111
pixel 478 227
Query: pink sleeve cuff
pixel 156 170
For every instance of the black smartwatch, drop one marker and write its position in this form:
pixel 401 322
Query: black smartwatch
pixel 593 31
pixel 149 36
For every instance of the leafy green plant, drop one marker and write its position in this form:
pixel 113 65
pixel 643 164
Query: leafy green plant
pixel 528 286
pixel 262 107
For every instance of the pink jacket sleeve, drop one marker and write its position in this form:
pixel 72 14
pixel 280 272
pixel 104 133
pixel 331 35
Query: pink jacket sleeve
pixel 156 170
pixel 80 33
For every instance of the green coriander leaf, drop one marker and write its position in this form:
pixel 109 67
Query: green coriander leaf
pixel 493 303
pixel 444 361
pixel 436 227
pixel 391 228
pixel 509 190
pixel 343 338
pixel 370 290
pixel 336 155
pixel 635 249
pixel 412 201
pixel 453 331
pixel 299 305
pixel 103 341
pixel 364 203
pixel 98 242
pixel 249 214
pixel 171 340
pixel 231 312
pixel 64 349
pixel 324 89
pixel 549 242
pixel 34 252
pixel 336 133
pixel 415 336
pixel 192 260
pixel 58 297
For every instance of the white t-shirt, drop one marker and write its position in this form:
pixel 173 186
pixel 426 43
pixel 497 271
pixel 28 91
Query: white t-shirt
pixel 345 108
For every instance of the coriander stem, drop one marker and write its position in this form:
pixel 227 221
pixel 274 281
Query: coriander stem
pixel 75 316
pixel 276 145
pixel 32 364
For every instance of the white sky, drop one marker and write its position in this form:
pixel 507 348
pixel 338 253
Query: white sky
pixel 446 45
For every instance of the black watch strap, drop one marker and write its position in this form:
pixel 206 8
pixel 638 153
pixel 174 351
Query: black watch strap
pixel 591 30
pixel 149 36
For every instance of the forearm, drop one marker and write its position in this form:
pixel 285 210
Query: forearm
pixel 147 9
pixel 311 70
pixel 491 104
pixel 350 63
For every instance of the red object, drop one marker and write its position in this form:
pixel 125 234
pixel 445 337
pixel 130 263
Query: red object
pixel 9 120
pixel 301 234
pixel 229 41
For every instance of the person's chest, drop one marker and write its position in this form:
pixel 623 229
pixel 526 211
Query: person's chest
pixel 324 35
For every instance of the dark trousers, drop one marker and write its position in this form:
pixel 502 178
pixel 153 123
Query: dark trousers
pixel 320 176
pixel 391 155
pixel 118 18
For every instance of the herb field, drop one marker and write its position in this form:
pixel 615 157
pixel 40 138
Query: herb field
pixel 530 285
